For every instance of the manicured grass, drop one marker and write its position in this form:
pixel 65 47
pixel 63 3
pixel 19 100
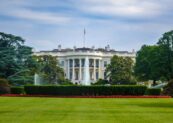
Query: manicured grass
pixel 76 110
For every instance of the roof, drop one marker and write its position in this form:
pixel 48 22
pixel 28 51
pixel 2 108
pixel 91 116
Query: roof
pixel 84 49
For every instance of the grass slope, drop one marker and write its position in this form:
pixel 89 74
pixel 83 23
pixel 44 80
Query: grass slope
pixel 75 110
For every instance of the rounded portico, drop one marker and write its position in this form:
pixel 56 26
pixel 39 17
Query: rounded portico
pixel 83 69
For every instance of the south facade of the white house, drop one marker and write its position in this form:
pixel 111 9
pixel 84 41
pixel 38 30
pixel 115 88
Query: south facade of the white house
pixel 85 65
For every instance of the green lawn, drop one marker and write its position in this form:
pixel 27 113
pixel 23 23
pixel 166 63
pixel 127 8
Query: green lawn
pixel 75 110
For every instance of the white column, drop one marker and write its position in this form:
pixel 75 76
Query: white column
pixel 94 70
pixel 80 70
pixel 68 68
pixel 86 74
pixel 73 68
pixel 100 69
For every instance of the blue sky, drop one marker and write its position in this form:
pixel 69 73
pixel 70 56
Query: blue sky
pixel 124 24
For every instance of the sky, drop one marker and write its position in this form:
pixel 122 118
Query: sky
pixel 123 24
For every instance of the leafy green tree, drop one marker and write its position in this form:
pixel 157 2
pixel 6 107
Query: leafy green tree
pixel 156 62
pixel 15 59
pixel 119 70
pixel 50 70
pixel 166 45
pixel 148 63
pixel 168 89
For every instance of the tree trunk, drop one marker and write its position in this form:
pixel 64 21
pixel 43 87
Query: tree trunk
pixel 154 82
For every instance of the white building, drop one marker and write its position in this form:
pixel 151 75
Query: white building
pixel 85 65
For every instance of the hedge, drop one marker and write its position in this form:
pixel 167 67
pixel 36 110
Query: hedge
pixel 86 90
pixel 17 90
pixel 153 91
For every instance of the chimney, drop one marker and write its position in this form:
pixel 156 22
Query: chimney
pixel 74 48
pixel 133 50
pixel 93 47
pixel 59 47
pixel 107 48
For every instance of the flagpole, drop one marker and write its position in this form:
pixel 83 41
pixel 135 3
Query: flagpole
pixel 84 38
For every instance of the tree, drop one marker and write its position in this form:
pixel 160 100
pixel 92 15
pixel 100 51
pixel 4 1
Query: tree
pixel 15 59
pixel 156 62
pixel 119 70
pixel 168 89
pixel 4 86
pixel 148 64
pixel 166 44
pixel 49 69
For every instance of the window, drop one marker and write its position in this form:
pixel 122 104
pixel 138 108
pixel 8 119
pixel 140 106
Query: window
pixel 97 75
pixel 105 75
pixel 76 62
pixel 76 75
pixel 83 62
pixel 97 63
pixel 71 63
pixel 91 62
pixel 105 63
pixel 62 63
pixel 71 74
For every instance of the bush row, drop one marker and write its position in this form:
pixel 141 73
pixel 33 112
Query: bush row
pixel 17 90
pixel 153 91
pixel 86 90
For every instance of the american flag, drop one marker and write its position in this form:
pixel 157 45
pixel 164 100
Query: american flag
pixel 84 31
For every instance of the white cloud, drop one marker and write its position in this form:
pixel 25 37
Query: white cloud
pixel 125 24
pixel 42 17
pixel 125 8
pixel 20 9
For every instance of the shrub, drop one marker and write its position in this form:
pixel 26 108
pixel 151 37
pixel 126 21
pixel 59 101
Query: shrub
pixel 153 91
pixel 4 87
pixel 101 82
pixel 124 83
pixel 168 89
pixel 85 90
pixel 65 82
pixel 17 90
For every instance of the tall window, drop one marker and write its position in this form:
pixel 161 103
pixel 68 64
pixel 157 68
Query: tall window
pixel 91 62
pixel 97 75
pixel 97 63
pixel 82 74
pixel 105 63
pixel 62 63
pixel 76 75
pixel 76 62
pixel 83 62
pixel 91 75
pixel 105 75
pixel 71 63
pixel 71 74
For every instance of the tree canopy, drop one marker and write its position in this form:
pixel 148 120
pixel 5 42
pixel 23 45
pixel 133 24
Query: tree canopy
pixel 156 62
pixel 15 59
pixel 49 69
pixel 166 45
pixel 119 70
pixel 148 63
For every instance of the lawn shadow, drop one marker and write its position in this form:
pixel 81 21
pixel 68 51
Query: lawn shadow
pixel 5 112
pixel 157 105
